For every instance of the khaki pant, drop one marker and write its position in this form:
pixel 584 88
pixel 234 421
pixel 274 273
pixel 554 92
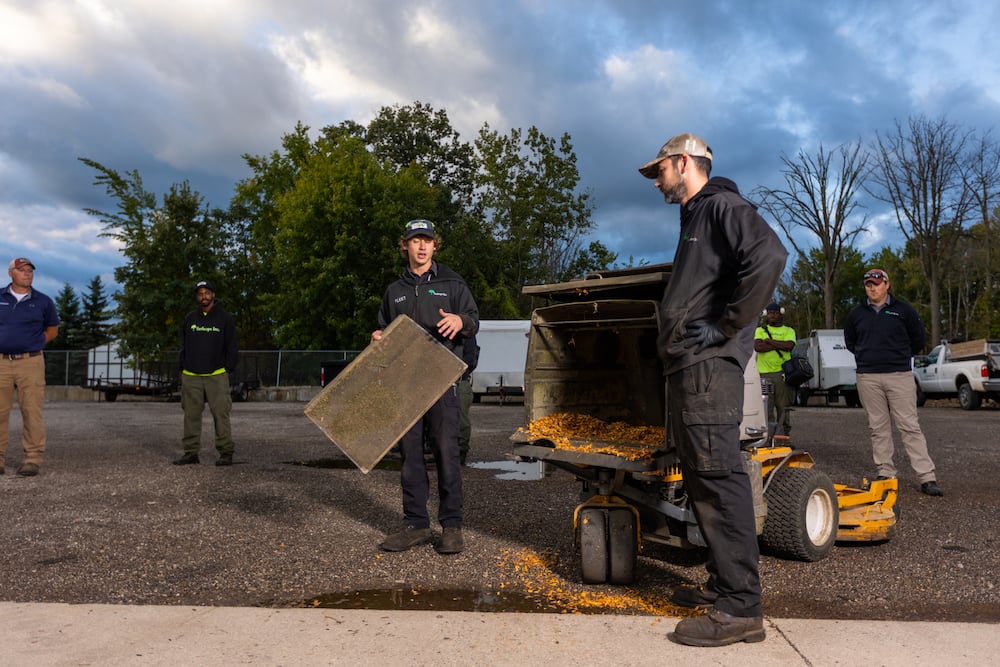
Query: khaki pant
pixel 26 376
pixel 891 398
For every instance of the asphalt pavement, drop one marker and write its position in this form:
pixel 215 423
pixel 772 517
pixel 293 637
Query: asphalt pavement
pixel 115 557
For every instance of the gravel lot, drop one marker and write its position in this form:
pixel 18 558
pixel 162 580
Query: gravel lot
pixel 110 520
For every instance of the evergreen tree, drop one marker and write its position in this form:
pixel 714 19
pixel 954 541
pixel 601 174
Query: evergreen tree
pixel 68 308
pixel 94 319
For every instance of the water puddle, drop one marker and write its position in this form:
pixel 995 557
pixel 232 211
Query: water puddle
pixel 346 464
pixel 524 471
pixel 411 599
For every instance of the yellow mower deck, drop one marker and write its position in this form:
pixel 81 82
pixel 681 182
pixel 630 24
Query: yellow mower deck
pixel 866 514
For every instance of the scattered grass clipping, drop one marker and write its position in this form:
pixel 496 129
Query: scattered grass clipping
pixel 534 575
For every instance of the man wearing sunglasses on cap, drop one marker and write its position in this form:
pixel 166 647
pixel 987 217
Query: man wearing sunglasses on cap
pixel 884 333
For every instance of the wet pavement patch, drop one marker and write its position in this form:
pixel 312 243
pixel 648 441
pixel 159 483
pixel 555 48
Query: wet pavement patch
pixel 516 470
pixel 415 599
pixel 345 464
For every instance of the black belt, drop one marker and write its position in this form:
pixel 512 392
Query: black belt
pixel 22 355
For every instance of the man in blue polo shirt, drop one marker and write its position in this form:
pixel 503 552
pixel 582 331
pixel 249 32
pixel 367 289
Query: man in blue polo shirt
pixel 28 321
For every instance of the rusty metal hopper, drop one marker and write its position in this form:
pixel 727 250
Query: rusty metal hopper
pixel 375 400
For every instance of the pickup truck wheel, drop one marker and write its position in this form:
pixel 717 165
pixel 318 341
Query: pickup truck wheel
pixel 921 396
pixel 802 514
pixel 968 399
pixel 802 397
pixel 852 399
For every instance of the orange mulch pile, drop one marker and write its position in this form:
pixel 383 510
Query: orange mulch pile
pixel 637 442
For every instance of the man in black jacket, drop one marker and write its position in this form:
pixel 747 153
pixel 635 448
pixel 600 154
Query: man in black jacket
pixel 438 299
pixel 208 354
pixel 727 263
pixel 884 333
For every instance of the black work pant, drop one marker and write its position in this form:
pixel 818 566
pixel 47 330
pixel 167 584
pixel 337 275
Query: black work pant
pixel 705 407
pixel 441 422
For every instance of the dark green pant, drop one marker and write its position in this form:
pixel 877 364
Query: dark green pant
pixel 196 390
pixel 464 421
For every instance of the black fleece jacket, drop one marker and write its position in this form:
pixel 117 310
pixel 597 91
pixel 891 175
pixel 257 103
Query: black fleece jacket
pixel 727 264
pixel 420 297
pixel 884 341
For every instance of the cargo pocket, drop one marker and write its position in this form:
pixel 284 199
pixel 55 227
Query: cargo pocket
pixel 711 414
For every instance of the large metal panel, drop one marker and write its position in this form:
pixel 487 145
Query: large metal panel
pixel 373 402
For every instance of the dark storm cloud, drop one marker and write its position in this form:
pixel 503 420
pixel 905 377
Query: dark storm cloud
pixel 180 91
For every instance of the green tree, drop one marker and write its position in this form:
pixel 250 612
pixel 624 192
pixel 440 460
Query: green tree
pixel 336 243
pixel 527 189
pixel 166 249
pixel 416 134
pixel 249 228
pixel 68 309
pixel 95 315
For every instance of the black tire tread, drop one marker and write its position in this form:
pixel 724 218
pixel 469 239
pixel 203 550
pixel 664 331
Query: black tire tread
pixel 785 532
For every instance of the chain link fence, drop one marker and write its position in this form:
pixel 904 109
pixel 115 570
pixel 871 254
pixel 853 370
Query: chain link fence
pixel 256 368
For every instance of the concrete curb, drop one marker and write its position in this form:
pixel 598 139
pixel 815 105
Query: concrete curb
pixel 62 634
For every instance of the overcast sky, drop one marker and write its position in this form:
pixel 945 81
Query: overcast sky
pixel 180 90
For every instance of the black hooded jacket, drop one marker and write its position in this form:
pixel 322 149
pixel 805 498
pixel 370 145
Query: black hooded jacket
pixel 727 264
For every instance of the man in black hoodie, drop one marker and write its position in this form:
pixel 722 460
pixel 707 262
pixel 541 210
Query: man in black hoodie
pixel 208 354
pixel 727 263
pixel 438 299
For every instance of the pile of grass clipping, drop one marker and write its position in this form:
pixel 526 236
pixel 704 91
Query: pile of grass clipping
pixel 578 432
pixel 537 580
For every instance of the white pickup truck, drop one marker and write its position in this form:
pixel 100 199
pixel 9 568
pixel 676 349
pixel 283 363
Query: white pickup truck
pixel 970 371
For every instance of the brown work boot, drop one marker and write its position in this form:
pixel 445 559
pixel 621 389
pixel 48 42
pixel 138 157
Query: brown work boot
pixel 28 470
pixel 451 541
pixel 717 628
pixel 407 538
pixel 693 597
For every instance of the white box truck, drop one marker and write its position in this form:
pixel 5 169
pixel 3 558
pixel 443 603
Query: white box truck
pixel 834 368
pixel 503 350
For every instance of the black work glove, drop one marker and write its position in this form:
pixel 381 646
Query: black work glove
pixel 702 335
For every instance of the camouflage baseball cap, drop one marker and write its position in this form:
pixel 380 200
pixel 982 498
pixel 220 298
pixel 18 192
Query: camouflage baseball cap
pixel 682 144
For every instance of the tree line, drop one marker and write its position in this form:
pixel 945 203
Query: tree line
pixel 941 185
pixel 309 239
pixel 84 320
